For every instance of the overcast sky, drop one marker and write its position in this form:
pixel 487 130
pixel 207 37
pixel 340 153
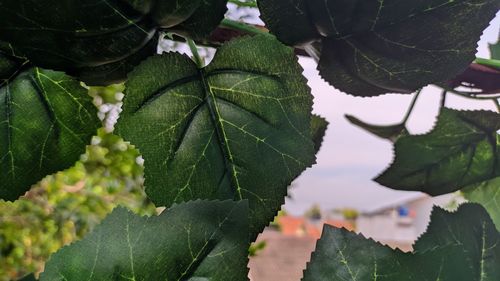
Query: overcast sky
pixel 350 157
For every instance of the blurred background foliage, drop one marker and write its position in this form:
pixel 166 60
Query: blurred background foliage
pixel 64 207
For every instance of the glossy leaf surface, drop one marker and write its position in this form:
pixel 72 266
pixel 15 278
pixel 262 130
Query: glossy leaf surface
pixel 370 48
pixel 236 129
pixel 461 246
pixel 199 240
pixel 47 119
pixel 461 150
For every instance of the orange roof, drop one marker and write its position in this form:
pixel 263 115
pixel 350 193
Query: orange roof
pixel 299 226
pixel 341 224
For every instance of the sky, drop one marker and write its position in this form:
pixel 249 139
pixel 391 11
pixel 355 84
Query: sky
pixel 350 157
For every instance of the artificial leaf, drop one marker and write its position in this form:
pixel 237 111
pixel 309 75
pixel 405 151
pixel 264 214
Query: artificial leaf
pixel 236 129
pixel 198 240
pixel 486 193
pixel 11 63
pixel 461 246
pixel 461 150
pixel 495 51
pixel 30 277
pixel 47 121
pixel 98 41
pixel 471 228
pixel 370 48
pixel 390 132
pixel 318 131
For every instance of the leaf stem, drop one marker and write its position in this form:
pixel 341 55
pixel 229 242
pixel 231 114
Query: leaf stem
pixel 497 104
pixel 412 106
pixel 443 98
pixel 251 3
pixel 243 27
pixel 474 96
pixel 196 56
pixel 488 62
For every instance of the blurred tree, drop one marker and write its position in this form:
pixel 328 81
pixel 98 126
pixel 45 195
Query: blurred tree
pixel 65 206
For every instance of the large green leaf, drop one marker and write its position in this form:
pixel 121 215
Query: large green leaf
pixel 461 150
pixel 99 41
pixel 236 129
pixel 486 193
pixel 461 246
pixel 198 240
pixel 47 119
pixel 370 48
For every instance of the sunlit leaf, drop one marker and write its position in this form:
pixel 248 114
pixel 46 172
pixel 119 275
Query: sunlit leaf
pixel 239 128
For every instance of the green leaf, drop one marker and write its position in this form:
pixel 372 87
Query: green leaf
pixel 236 129
pixel 495 51
pixel 370 48
pixel 461 150
pixel 461 246
pixel 47 119
pixel 30 277
pixel 319 125
pixel 390 132
pixel 99 41
pixel 198 240
pixel 10 63
pixel 486 193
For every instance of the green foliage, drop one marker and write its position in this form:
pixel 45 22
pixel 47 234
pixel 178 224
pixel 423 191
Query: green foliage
pixel 461 150
pixel 100 41
pixel 390 132
pixel 47 120
pixel 486 193
pixel 237 132
pixel 461 246
pixel 199 240
pixel 318 131
pixel 256 248
pixel 66 206
pixel 236 129
pixel 368 48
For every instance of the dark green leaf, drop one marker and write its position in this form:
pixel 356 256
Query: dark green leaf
pixel 236 129
pixel 486 193
pixel 461 150
pixel 390 132
pixel 370 48
pixel 47 121
pixel 204 20
pixel 30 277
pixel 461 246
pixel 98 41
pixel 198 240
pixel 495 51
pixel 10 63
pixel 318 130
